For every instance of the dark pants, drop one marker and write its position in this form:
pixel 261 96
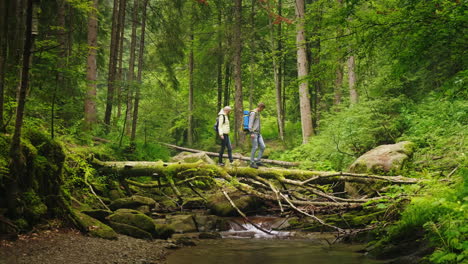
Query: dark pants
pixel 225 143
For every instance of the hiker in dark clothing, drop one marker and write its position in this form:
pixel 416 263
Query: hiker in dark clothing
pixel 223 131
pixel 256 136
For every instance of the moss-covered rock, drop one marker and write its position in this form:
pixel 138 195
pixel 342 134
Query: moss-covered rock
pixel 210 235
pixel 207 223
pixel 220 206
pixel 130 230
pixel 133 218
pixel 116 194
pixel 182 223
pixel 164 231
pixel 99 214
pixel 384 158
pixel 132 202
pixel 95 227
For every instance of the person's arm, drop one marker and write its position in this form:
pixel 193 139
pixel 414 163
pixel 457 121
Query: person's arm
pixel 221 121
pixel 251 121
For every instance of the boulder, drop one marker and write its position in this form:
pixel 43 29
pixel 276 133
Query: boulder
pixel 99 214
pixel 210 235
pixel 132 202
pixel 207 223
pixel 220 206
pixel 116 194
pixel 133 218
pixel 164 231
pixel 130 230
pixel 384 158
pixel 187 157
pixel 94 227
pixel 182 223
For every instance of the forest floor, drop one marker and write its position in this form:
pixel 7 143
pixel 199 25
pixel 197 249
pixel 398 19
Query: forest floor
pixel 70 246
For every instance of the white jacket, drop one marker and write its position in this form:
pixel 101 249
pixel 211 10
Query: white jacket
pixel 223 123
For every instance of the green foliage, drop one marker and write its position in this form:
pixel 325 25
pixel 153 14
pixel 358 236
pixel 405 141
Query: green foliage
pixel 348 133
pixel 443 215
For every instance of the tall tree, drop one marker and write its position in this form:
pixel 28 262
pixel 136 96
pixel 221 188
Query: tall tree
pixel 3 56
pixel 120 78
pixel 252 54
pixel 219 66
pixel 302 72
pixel 112 63
pixel 238 99
pixel 16 162
pixel 131 69
pixel 190 104
pixel 338 93
pixel 91 69
pixel 353 94
pixel 141 53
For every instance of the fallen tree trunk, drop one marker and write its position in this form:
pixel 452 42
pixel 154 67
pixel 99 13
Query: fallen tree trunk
pixel 214 154
pixel 295 177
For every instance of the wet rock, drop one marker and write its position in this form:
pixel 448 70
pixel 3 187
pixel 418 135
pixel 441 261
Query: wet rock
pixel 132 202
pixel 187 157
pixel 185 241
pixel 210 235
pixel 133 218
pixel 206 223
pixel 182 223
pixel 220 206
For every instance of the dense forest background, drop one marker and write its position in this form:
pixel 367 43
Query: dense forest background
pixel 118 78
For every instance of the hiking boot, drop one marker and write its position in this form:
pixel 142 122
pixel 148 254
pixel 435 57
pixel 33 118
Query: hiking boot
pixel 221 164
pixel 253 165
pixel 259 163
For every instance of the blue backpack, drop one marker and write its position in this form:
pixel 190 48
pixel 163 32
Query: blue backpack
pixel 246 120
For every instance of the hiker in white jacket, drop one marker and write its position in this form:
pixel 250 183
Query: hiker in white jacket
pixel 223 131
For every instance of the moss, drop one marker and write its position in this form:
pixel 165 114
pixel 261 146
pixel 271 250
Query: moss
pixel 132 202
pixel 220 206
pixel 133 218
pixel 95 227
pixel 34 207
pixel 130 230
pixel 164 231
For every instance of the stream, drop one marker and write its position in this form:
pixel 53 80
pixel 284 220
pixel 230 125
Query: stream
pixel 244 244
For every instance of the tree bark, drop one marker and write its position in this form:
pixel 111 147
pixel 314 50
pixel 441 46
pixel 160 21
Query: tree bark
pixel 4 6
pixel 140 70
pixel 219 66
pixel 353 94
pixel 190 101
pixel 16 162
pixel 302 72
pixel 114 44
pixel 90 115
pixel 338 94
pixel 252 56
pixel 238 98
pixel 120 78
pixel 227 78
pixel 131 69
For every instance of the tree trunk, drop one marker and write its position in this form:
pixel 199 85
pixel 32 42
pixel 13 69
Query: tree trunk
pixel 90 115
pixel 238 100
pixel 353 94
pixel 140 69
pixel 3 56
pixel 112 63
pixel 227 78
pixel 252 56
pixel 338 88
pixel 16 162
pixel 131 69
pixel 120 74
pixel 190 105
pixel 276 77
pixel 279 50
pixel 302 72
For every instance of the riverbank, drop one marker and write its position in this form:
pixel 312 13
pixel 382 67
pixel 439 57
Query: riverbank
pixel 70 246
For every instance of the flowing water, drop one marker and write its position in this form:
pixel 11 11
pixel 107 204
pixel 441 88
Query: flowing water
pixel 245 244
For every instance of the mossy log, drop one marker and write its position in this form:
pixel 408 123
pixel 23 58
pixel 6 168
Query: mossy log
pixel 295 177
